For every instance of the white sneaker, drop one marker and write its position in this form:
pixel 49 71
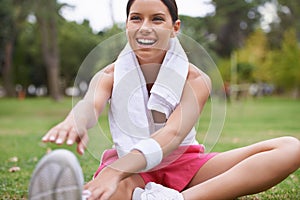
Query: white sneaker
pixel 155 191
pixel 137 193
pixel 58 175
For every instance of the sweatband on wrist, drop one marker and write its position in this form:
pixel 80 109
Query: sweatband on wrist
pixel 151 151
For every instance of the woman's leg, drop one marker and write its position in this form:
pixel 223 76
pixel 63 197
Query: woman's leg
pixel 246 170
pixel 127 186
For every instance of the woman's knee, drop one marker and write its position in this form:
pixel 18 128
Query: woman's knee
pixel 290 143
pixel 291 148
pixel 127 186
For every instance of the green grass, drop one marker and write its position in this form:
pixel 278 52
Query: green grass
pixel 23 123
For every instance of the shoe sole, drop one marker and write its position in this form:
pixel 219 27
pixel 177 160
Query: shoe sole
pixel 57 176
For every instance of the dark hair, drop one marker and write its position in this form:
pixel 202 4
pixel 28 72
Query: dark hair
pixel 171 5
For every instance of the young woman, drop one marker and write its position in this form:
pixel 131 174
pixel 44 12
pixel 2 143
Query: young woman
pixel 157 156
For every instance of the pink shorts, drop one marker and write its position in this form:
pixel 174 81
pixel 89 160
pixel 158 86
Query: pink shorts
pixel 175 171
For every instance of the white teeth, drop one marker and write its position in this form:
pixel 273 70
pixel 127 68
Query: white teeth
pixel 146 41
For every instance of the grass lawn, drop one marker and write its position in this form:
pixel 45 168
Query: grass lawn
pixel 23 123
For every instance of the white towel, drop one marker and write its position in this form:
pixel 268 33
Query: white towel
pixel 130 114
pixel 167 89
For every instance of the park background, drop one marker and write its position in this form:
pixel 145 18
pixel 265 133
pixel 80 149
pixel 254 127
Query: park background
pixel 41 52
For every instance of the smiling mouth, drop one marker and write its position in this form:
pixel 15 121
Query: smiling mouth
pixel 148 42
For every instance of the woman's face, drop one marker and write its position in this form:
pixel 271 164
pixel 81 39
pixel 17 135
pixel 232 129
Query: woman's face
pixel 149 27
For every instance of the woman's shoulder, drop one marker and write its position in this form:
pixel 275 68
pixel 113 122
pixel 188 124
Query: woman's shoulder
pixel 199 82
pixel 197 75
pixel 104 77
pixel 109 70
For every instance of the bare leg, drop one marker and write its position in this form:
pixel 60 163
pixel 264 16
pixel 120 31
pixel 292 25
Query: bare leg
pixel 247 170
pixel 127 186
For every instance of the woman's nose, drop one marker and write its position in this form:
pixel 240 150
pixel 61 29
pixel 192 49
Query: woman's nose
pixel 146 27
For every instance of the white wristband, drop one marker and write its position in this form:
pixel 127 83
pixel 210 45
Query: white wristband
pixel 152 152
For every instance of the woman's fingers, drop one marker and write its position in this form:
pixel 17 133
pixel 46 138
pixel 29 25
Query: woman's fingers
pixel 69 134
pixel 82 141
pixel 72 137
pixel 51 135
pixel 57 134
pixel 62 135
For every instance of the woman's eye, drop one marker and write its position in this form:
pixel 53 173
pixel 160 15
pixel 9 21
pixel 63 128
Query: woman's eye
pixel 158 19
pixel 135 18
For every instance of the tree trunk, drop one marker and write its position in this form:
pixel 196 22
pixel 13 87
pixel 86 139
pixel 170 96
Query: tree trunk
pixel 48 28
pixel 7 70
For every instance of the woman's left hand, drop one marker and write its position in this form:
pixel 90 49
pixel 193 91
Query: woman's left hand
pixel 104 185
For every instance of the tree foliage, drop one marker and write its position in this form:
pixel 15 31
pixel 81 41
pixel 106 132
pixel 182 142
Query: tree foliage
pixel 287 72
pixel 234 21
pixel 254 53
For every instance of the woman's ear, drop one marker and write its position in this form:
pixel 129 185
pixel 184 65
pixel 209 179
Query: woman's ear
pixel 176 28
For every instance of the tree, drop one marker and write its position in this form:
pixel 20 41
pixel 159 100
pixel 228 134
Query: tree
pixel 288 12
pixel 288 66
pixel 6 21
pixel 28 62
pixel 234 20
pixel 255 54
pixel 46 13
pixel 75 43
pixel 13 14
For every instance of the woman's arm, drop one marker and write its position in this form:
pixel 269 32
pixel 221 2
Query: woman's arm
pixel 85 113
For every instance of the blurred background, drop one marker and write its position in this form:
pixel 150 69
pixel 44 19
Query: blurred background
pixel 255 44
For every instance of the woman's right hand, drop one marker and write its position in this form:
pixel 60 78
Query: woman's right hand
pixel 68 131
pixel 85 113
